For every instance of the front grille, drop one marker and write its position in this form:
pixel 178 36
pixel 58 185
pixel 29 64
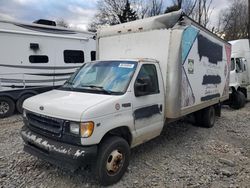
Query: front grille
pixel 45 125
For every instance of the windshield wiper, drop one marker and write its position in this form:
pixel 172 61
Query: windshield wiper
pixel 100 88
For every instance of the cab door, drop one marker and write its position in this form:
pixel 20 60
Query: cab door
pixel 148 102
pixel 244 71
pixel 241 72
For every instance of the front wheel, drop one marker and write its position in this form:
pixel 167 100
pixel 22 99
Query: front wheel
pixel 112 160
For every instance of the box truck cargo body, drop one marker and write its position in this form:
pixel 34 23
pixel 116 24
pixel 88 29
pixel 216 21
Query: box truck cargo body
pixel 36 58
pixel 240 73
pixel 148 73
pixel 194 63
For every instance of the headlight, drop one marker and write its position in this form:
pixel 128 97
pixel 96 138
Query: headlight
pixel 74 128
pixel 87 129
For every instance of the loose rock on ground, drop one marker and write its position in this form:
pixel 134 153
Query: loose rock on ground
pixel 183 156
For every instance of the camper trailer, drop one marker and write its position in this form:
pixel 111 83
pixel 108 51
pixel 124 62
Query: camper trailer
pixel 240 73
pixel 150 72
pixel 35 58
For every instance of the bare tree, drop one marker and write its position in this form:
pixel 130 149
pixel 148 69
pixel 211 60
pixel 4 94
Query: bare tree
pixel 202 12
pixel 186 5
pixel 155 7
pixel 178 3
pixel 141 7
pixel 112 12
pixel 249 19
pixel 199 10
pixel 147 8
pixel 234 21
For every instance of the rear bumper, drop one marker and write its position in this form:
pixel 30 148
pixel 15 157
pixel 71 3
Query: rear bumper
pixel 63 155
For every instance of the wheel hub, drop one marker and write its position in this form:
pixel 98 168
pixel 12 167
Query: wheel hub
pixel 114 162
pixel 4 107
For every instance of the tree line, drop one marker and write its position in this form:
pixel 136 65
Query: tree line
pixel 232 22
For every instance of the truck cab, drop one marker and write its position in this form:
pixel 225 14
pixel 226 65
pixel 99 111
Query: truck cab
pixel 239 74
pixel 96 105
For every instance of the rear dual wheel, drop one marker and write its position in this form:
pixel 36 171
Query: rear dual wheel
pixel 205 117
pixel 237 100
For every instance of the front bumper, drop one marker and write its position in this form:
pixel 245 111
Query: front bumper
pixel 63 155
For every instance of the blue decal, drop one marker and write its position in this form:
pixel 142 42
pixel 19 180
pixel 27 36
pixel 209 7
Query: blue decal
pixel 189 37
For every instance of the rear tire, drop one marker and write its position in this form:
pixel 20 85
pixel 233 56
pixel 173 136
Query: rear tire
pixel 19 103
pixel 206 117
pixel 112 160
pixel 242 99
pixel 7 107
pixel 237 100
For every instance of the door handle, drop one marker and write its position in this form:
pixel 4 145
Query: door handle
pixel 160 107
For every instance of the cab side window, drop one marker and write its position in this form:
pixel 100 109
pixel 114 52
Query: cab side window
pixel 232 64
pixel 238 65
pixel 147 80
pixel 244 62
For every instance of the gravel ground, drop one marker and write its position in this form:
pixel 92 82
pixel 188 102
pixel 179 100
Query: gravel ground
pixel 183 156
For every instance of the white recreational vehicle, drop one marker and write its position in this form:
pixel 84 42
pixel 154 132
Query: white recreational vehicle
pixel 240 73
pixel 35 58
pixel 150 72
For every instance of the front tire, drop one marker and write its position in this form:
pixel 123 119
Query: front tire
pixel 242 98
pixel 112 160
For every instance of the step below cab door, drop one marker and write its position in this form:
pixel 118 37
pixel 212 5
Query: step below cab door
pixel 148 102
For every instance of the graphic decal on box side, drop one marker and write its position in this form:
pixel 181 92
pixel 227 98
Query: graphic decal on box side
pixel 209 97
pixel 211 79
pixel 187 93
pixel 209 49
pixel 205 62
pixel 189 38
pixel 227 70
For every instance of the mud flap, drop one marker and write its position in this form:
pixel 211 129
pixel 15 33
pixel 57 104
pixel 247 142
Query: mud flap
pixel 218 110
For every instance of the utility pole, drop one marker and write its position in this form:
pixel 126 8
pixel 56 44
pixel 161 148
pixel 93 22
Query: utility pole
pixel 248 19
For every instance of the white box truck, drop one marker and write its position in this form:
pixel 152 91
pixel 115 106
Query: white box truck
pixel 150 72
pixel 240 73
pixel 38 57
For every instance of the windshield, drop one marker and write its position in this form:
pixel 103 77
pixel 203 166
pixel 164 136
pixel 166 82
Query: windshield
pixel 107 77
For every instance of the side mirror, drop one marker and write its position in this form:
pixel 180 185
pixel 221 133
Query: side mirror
pixel 142 86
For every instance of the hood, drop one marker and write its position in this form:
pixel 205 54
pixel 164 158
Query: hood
pixel 68 105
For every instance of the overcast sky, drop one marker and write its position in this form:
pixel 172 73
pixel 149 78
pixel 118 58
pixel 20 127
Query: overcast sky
pixel 77 13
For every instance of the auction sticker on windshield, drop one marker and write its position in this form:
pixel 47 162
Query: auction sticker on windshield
pixel 125 65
